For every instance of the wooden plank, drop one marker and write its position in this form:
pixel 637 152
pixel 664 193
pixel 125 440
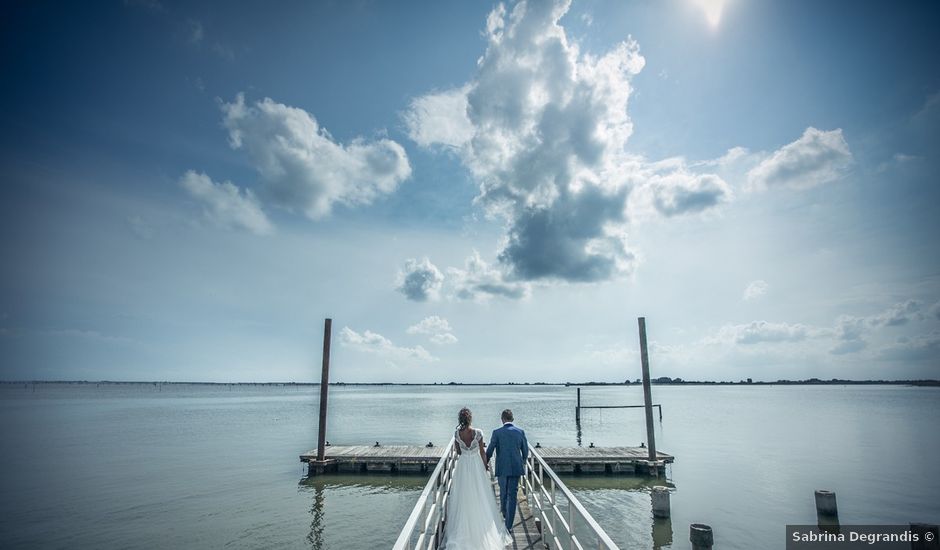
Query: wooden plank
pixel 525 534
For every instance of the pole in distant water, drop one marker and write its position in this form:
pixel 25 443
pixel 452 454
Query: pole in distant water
pixel 577 408
pixel 324 387
pixel 647 393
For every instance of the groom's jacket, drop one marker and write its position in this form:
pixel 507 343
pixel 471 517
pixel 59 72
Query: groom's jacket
pixel 511 448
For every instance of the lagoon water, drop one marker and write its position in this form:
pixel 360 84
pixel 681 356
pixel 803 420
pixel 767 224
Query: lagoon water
pixel 216 466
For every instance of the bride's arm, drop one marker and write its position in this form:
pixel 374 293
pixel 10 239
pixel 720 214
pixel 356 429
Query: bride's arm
pixel 483 452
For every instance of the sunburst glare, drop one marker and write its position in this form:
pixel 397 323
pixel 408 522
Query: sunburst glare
pixel 712 9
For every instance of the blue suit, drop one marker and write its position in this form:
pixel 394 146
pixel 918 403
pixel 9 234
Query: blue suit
pixel 512 449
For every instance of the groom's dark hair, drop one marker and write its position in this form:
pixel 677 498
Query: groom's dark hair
pixel 507 415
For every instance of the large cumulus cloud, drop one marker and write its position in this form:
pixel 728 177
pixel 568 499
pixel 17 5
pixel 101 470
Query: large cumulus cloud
pixel 543 129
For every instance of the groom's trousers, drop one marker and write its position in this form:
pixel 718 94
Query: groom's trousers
pixel 508 485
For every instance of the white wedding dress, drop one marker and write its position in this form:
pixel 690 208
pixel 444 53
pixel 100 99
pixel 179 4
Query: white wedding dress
pixel 473 518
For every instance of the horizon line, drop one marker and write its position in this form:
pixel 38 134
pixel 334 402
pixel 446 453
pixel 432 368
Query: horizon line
pixel 674 382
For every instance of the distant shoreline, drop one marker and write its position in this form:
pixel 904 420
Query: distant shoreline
pixel 657 382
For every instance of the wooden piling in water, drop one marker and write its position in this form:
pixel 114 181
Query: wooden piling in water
pixel 826 504
pixel 700 535
pixel 659 497
pixel 647 393
pixel 324 388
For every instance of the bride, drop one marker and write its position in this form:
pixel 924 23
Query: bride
pixel 473 520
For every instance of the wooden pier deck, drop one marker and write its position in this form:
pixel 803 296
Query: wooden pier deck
pixel 420 459
pixel 602 460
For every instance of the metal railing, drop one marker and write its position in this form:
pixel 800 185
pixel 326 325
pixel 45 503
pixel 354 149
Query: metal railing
pixel 424 528
pixel 425 525
pixel 558 527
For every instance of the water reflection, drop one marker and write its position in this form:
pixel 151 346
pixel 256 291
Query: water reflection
pixel 338 501
pixel 315 536
pixel 621 482
pixel 662 533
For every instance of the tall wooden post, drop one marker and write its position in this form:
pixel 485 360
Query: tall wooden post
pixel 577 409
pixel 324 387
pixel 647 394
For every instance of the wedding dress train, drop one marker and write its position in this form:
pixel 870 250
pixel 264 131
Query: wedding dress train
pixel 473 519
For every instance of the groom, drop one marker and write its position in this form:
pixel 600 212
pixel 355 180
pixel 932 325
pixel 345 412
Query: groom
pixel 512 449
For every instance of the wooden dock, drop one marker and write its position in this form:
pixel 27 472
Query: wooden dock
pixel 420 459
pixel 603 460
pixel 369 458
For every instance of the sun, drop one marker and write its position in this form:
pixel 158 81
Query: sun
pixel 712 9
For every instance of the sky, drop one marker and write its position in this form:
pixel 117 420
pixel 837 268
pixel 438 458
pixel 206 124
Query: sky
pixel 472 191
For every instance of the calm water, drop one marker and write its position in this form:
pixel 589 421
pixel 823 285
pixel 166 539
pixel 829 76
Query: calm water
pixel 143 466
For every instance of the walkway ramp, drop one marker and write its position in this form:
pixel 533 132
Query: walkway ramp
pixel 546 518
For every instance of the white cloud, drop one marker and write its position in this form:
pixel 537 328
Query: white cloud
pixel 420 280
pixel 614 355
pixel 303 167
pixel 849 333
pixel 436 328
pixel 922 348
pixel 226 205
pixel 439 119
pixel 731 157
pixel 755 289
pixel 672 187
pixel 370 342
pixel 542 128
pixel 898 314
pixel 682 192
pixel 478 281
pixel 897 160
pixel 844 347
pixel 757 332
pixel 902 158
pixel 815 158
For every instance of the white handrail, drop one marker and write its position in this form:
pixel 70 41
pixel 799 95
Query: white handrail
pixel 554 523
pixel 432 505
pixel 425 526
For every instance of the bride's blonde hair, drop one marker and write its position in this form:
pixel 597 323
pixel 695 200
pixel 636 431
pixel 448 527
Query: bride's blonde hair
pixel 464 417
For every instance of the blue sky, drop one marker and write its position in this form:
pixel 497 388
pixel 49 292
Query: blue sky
pixel 473 191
